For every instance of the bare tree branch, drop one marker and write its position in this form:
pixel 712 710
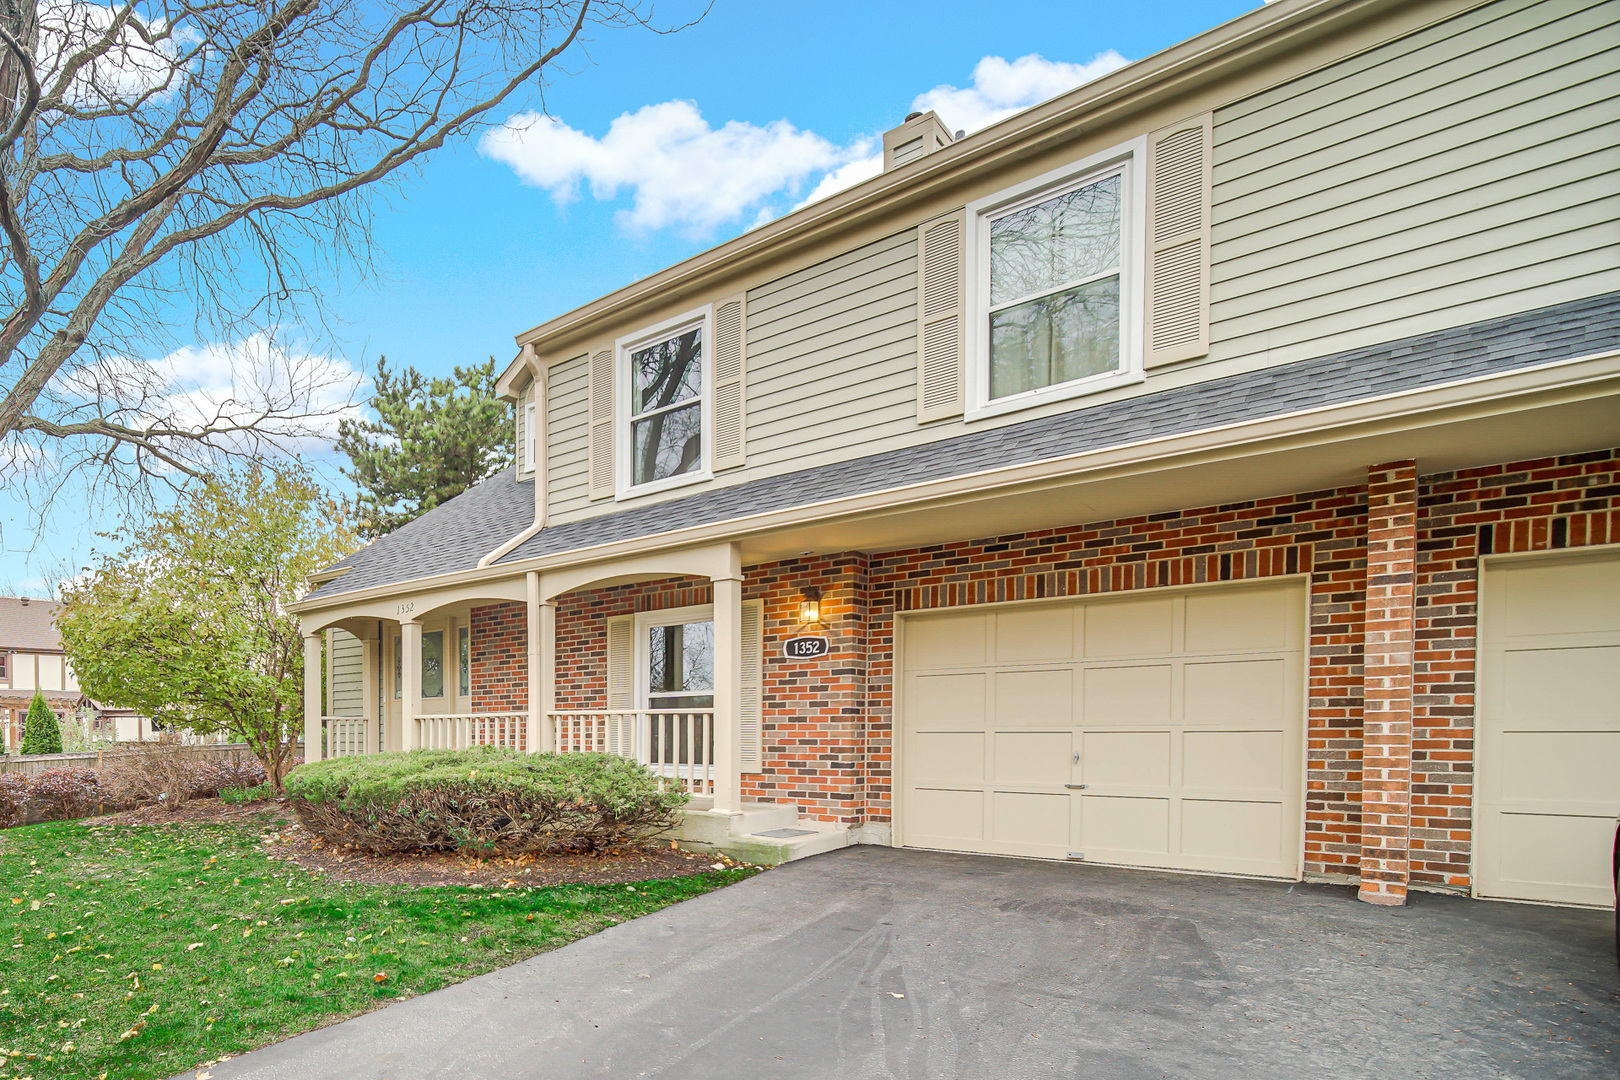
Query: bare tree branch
pixel 215 158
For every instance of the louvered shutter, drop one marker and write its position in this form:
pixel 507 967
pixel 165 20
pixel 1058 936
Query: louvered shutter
pixel 730 420
pixel 621 662
pixel 751 708
pixel 1178 218
pixel 601 434
pixel 939 318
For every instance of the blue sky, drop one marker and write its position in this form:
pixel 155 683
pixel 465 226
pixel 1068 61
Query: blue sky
pixel 500 234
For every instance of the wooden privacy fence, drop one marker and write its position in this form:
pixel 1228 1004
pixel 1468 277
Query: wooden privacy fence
pixel 97 759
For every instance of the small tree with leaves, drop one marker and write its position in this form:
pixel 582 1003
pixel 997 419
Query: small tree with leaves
pixel 188 622
pixel 432 440
pixel 41 732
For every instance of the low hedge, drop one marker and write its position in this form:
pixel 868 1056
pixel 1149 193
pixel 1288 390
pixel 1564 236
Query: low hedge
pixel 487 800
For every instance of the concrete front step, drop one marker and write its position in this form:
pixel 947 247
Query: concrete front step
pixel 765 834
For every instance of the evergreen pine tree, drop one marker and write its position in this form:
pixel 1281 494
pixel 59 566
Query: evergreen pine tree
pixel 41 733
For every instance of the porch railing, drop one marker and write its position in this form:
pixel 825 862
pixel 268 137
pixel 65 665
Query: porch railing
pixel 457 732
pixel 677 744
pixel 345 735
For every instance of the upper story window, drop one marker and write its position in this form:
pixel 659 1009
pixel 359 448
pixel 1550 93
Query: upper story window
pixel 1052 306
pixel 666 418
pixel 530 443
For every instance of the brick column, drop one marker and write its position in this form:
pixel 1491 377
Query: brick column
pixel 1386 764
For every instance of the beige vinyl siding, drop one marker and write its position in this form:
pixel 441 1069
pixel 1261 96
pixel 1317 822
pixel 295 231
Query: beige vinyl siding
pixel 832 356
pixel 1459 173
pixel 567 441
pixel 347 690
pixel 1453 175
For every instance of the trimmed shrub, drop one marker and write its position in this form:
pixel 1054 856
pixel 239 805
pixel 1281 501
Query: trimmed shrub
pixel 52 795
pixel 488 800
pixel 41 733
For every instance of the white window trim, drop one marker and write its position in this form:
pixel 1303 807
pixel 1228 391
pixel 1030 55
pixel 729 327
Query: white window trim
pixel 646 620
pixel 624 443
pixel 1131 157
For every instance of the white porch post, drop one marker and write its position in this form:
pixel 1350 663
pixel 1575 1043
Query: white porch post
pixel 410 677
pixel 369 695
pixel 312 697
pixel 728 692
pixel 548 675
pixel 535 738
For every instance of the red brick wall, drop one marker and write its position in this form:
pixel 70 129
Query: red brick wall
pixel 1539 505
pixel 1386 695
pixel 500 667
pixel 825 719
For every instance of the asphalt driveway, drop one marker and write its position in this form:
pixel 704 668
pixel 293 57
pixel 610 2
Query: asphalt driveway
pixel 872 962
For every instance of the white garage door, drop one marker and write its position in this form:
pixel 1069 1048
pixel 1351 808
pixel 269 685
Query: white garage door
pixel 1160 729
pixel 1549 710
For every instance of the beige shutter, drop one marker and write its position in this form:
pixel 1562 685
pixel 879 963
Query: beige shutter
pixel 1178 217
pixel 730 419
pixel 752 705
pixel 621 662
pixel 601 434
pixel 939 317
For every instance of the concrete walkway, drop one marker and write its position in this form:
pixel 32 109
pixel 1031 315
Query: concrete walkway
pixel 872 962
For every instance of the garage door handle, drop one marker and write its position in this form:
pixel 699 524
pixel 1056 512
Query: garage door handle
pixel 1074 787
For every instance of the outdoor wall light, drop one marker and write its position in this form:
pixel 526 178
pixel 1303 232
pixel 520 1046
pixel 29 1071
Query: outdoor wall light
pixel 810 606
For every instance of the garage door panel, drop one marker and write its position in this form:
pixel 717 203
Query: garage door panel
pixel 1551 687
pixel 1568 854
pixel 949 640
pixel 1130 627
pixel 1251 762
pixel 1549 728
pixel 1031 698
pixel 1127 759
pixel 1030 824
pixel 1247 620
pixel 946 815
pixel 1234 692
pixel 1554 598
pixel 945 702
pixel 1032 757
pixel 1087 727
pixel 1134 695
pixel 1113 826
pixel 1559 767
pixel 1032 634
pixel 946 757
pixel 1226 833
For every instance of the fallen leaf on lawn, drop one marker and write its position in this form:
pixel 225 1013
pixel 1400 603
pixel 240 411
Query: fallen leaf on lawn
pixel 157 967
pixel 194 945
pixel 34 906
pixel 379 977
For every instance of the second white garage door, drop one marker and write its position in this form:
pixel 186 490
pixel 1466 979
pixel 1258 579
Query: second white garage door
pixel 1160 729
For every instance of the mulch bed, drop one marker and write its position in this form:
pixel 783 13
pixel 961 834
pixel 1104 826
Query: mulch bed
pixel 289 842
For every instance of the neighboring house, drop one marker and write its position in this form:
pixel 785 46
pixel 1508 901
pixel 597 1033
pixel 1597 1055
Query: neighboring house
pixel 31 658
pixel 1214 468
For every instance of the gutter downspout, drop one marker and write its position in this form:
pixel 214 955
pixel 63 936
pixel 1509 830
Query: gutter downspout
pixel 541 429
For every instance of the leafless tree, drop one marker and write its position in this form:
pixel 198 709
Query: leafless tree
pixel 217 158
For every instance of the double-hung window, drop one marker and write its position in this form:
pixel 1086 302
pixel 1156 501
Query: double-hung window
pixel 665 432
pixel 1052 303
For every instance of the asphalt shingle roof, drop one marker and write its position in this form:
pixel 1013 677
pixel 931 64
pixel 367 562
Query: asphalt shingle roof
pixel 456 535
pixel 27 624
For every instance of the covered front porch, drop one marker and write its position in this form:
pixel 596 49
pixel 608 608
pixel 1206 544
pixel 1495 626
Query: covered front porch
pixel 677 689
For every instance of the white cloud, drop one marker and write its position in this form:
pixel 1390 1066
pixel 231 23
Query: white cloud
pixel 1002 87
pixel 130 68
pixel 291 395
pixel 845 176
pixel 679 171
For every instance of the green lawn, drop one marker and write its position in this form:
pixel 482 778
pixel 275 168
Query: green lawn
pixel 134 952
